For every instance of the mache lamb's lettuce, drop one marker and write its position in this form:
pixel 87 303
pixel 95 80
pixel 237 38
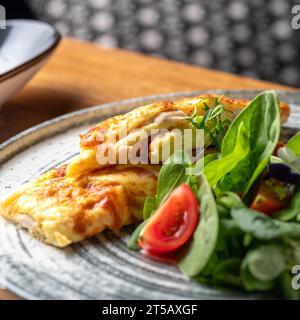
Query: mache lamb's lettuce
pixel 262 266
pixel 263 227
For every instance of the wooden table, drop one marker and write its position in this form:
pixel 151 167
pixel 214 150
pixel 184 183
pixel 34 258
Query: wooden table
pixel 81 74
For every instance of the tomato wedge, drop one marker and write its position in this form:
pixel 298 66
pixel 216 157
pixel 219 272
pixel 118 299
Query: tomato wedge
pixel 267 201
pixel 173 224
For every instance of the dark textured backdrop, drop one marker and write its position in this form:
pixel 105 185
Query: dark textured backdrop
pixel 250 37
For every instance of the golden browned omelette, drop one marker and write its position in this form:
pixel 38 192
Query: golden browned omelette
pixel 80 200
pixel 161 115
pixel 60 210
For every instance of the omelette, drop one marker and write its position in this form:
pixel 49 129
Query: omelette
pixel 60 210
pixel 81 199
pixel 166 115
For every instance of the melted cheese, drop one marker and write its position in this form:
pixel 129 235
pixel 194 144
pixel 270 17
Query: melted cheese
pixel 60 210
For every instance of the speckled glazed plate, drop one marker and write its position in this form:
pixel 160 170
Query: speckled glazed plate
pixel 102 267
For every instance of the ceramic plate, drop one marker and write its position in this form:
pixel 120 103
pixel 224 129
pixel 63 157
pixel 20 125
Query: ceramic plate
pixel 102 267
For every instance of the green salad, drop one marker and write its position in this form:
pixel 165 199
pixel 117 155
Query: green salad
pixel 236 223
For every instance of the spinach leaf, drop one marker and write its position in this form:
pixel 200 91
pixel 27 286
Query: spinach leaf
pixel 223 265
pixel 132 243
pixel 227 272
pixel 210 157
pixel 229 240
pixel 171 175
pixel 294 144
pixel 206 234
pixel 261 121
pixel 250 283
pixel 248 239
pixel 227 201
pixel 286 155
pixel 216 169
pixel 149 207
pixel 275 160
pixel 285 281
pixel 228 248
pixel 293 210
pixel 265 263
pixel 292 251
pixel 262 226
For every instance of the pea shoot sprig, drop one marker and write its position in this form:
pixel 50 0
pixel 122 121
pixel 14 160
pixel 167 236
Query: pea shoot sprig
pixel 215 122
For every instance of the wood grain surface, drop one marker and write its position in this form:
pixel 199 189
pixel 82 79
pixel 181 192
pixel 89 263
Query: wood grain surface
pixel 81 74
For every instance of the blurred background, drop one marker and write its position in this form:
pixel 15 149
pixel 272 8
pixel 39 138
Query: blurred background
pixel 249 37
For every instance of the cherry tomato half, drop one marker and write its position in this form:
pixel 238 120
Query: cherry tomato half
pixel 267 201
pixel 172 225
